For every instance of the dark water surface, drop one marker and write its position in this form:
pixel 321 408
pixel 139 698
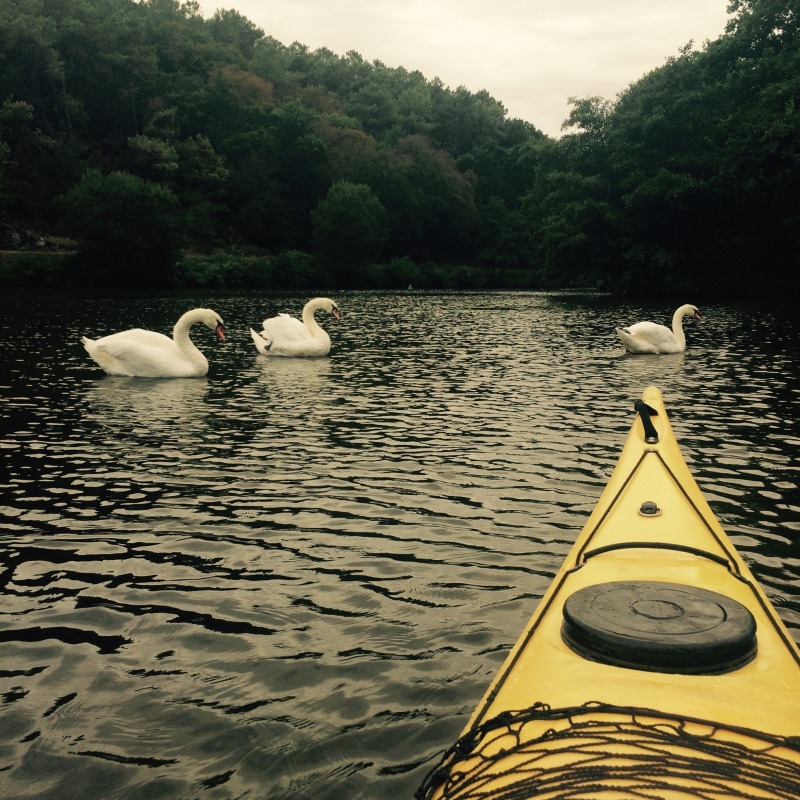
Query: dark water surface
pixel 296 578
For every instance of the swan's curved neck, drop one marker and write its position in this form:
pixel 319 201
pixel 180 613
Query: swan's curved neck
pixel 309 321
pixel 180 335
pixel 677 327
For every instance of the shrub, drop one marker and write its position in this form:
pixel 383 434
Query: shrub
pixel 127 230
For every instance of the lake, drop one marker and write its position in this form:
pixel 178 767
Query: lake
pixel 296 578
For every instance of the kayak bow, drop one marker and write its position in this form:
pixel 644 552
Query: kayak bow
pixel 654 666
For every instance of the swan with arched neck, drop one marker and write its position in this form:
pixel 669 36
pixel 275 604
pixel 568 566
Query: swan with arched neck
pixel 649 337
pixel 140 353
pixel 285 335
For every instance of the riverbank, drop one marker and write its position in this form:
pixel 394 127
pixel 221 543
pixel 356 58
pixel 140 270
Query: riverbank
pixel 27 269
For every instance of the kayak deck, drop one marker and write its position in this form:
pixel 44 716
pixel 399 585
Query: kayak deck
pixel 653 665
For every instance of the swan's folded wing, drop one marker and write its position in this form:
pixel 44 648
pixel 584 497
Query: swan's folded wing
pixel 287 329
pixel 140 358
pixel 136 335
pixel 654 333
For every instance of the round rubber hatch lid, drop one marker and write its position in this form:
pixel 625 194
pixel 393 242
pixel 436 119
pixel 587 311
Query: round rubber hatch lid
pixel 659 627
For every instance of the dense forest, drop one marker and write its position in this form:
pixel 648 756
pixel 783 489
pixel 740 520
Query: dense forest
pixel 165 148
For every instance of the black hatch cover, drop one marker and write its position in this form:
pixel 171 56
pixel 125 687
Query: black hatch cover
pixel 659 627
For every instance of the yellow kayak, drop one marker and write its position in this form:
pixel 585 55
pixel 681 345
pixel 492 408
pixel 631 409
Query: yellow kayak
pixel 654 666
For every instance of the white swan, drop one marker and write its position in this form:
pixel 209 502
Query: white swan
pixel 145 354
pixel 288 336
pixel 648 337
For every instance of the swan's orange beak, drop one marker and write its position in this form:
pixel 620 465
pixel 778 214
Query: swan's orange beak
pixel 220 331
pixel 335 312
pixel 697 315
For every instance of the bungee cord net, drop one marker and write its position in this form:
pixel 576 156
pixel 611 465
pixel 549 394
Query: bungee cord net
pixel 600 751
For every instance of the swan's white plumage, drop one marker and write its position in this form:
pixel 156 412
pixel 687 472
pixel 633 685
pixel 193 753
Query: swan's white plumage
pixel 139 353
pixel 285 335
pixel 649 337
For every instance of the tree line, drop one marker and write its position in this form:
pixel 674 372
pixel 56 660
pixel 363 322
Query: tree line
pixel 144 131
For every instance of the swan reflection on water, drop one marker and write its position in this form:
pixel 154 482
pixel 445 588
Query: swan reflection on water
pixel 146 402
pixel 284 382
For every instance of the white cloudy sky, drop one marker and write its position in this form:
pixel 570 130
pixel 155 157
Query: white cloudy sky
pixel 531 55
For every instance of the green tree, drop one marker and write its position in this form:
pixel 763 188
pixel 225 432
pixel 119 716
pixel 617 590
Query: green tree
pixel 278 173
pixel 464 121
pixel 127 230
pixel 201 186
pixel 33 69
pixel 503 236
pixel 431 202
pixel 152 157
pixel 272 61
pixel 5 151
pixel 255 194
pixel 350 229
pixel 38 167
pixel 232 28
pixel 374 104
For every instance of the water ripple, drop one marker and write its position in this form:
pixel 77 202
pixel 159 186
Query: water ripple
pixel 299 576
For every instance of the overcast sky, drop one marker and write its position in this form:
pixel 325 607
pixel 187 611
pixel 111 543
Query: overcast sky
pixel 531 55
